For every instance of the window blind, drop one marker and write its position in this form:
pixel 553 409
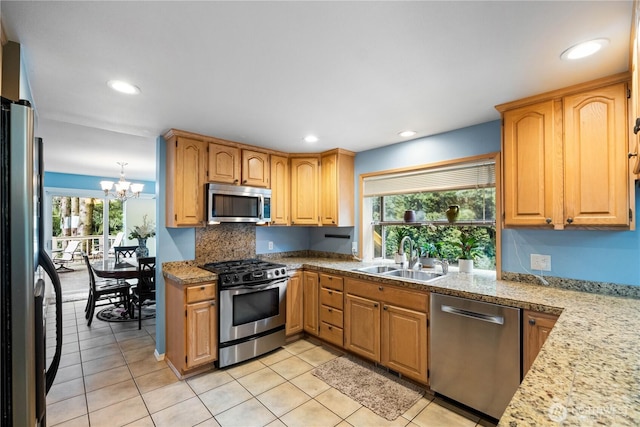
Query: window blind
pixel 458 177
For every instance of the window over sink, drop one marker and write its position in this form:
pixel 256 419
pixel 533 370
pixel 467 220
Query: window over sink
pixel 445 202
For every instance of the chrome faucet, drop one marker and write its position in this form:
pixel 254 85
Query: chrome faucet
pixel 442 263
pixel 413 262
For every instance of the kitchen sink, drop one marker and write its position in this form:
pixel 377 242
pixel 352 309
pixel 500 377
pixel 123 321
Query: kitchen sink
pixel 377 269
pixel 413 274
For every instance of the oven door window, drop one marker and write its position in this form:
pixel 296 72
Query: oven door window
pixel 255 306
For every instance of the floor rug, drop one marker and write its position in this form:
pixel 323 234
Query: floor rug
pixel 119 314
pixel 372 387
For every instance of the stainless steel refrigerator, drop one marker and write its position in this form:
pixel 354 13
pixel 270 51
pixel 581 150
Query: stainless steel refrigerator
pixel 23 266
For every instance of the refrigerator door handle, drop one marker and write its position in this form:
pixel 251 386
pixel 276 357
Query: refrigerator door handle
pixel 49 268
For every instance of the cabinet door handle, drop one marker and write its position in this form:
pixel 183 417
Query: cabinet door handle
pixel 330 310
pixel 375 305
pixel 384 307
pixel 532 322
pixel 548 220
pixel 569 220
pixel 235 181
pixel 213 303
pixel 330 327
pixel 202 288
pixel 330 292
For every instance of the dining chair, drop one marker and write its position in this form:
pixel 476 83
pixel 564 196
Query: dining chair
pixel 104 292
pixel 66 256
pixel 122 252
pixel 144 291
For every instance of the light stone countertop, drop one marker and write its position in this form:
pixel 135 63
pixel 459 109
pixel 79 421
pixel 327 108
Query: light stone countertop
pixel 588 371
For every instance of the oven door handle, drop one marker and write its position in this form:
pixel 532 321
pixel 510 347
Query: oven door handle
pixel 270 284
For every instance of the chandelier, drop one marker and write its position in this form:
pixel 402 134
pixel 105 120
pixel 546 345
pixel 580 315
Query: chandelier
pixel 123 189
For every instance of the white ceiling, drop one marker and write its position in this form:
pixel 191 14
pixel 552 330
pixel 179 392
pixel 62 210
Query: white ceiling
pixel 268 73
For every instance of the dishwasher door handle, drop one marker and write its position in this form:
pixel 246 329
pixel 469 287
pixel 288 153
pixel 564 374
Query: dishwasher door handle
pixel 499 320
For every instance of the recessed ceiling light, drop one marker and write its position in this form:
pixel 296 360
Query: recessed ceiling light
pixel 407 133
pixel 311 139
pixel 584 49
pixel 123 87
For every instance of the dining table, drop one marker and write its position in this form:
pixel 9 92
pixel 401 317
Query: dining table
pixel 108 268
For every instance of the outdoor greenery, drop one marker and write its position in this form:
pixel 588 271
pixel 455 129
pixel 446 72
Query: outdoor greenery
pixel 89 213
pixel 444 240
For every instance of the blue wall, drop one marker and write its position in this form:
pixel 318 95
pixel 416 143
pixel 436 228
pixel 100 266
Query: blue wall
pixel 602 256
pixel 285 239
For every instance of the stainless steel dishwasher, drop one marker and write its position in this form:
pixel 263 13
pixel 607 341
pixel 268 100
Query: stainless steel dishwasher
pixel 474 352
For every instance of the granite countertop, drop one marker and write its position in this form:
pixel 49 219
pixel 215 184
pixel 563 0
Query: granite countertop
pixel 588 371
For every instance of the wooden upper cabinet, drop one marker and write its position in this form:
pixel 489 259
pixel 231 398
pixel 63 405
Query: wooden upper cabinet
pixel 634 109
pixel 280 190
pixel 336 192
pixel 565 157
pixel 233 165
pixel 304 191
pixel 529 146
pixel 186 176
pixel 596 163
pixel 224 164
pixel 255 169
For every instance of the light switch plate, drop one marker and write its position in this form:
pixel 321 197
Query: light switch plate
pixel 270 246
pixel 541 262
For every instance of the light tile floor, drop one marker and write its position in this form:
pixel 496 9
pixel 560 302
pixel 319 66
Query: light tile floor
pixel 109 377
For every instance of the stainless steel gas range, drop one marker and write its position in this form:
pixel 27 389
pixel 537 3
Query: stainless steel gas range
pixel 251 307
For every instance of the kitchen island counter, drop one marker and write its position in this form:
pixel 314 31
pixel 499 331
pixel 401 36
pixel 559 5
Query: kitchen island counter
pixel 588 371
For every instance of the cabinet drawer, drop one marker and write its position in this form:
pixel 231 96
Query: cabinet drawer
pixel 331 315
pixel 414 300
pixel 331 297
pixel 332 334
pixel 201 292
pixel 332 282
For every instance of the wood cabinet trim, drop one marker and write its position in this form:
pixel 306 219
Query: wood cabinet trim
pixel 570 90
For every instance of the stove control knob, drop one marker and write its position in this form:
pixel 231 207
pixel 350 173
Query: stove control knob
pixel 277 272
pixel 284 271
pixel 235 278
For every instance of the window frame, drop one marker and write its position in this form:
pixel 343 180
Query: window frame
pixel 364 232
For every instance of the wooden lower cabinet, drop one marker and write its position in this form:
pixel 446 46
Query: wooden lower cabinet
pixel 404 341
pixel 294 322
pixel 362 326
pixel 388 325
pixel 310 286
pixel 536 328
pixel 192 326
pixel 331 309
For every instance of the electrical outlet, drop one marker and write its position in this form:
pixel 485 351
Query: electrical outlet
pixel 541 262
pixel 354 246
pixel 270 246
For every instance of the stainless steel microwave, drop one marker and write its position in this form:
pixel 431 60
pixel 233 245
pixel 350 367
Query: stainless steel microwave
pixel 236 203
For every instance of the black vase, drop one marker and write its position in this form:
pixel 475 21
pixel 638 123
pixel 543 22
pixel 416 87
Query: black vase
pixel 409 216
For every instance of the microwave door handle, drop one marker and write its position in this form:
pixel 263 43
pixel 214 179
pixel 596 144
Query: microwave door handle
pixel 260 206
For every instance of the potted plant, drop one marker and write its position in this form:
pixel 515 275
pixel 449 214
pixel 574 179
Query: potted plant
pixel 142 233
pixel 428 254
pixel 469 249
